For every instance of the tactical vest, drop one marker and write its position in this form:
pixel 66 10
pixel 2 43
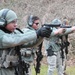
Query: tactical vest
pixel 54 43
pixel 8 57
pixel 28 54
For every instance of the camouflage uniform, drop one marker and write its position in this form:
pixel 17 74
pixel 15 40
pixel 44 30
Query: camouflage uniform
pixel 53 50
pixel 10 39
pixel 28 54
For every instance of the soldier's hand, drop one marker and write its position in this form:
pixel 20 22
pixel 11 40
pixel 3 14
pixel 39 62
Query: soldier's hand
pixel 60 31
pixel 73 28
pixel 63 30
pixel 44 32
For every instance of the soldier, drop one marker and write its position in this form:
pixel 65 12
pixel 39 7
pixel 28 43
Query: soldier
pixel 53 47
pixel 11 39
pixel 28 54
pixel 65 43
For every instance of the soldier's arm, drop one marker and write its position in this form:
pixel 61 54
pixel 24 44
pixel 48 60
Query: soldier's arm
pixel 63 31
pixel 11 40
pixel 57 32
pixel 38 41
pixel 33 43
pixel 69 30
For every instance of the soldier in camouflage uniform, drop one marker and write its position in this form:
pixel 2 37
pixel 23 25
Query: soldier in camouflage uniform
pixel 65 49
pixel 53 47
pixel 10 37
pixel 28 54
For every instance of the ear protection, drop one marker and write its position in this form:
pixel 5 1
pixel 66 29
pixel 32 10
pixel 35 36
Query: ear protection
pixel 3 17
pixel 30 20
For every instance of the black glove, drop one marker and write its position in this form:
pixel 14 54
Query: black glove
pixel 44 32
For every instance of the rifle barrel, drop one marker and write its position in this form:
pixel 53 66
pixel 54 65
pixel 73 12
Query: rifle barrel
pixel 51 25
pixel 56 25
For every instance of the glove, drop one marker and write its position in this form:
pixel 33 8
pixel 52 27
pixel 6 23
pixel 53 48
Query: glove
pixel 44 32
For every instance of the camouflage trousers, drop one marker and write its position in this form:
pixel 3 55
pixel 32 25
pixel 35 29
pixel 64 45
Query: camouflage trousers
pixel 55 61
pixel 7 71
pixel 4 71
pixel 64 62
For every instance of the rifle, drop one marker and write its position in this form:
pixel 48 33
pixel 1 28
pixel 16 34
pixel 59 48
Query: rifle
pixel 38 59
pixel 19 69
pixel 64 46
pixel 51 25
pixel 22 67
pixel 56 25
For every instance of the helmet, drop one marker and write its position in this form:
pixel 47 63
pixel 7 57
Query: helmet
pixel 7 16
pixel 56 22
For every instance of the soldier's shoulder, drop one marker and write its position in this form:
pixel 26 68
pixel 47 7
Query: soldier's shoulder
pixel 1 32
pixel 26 30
